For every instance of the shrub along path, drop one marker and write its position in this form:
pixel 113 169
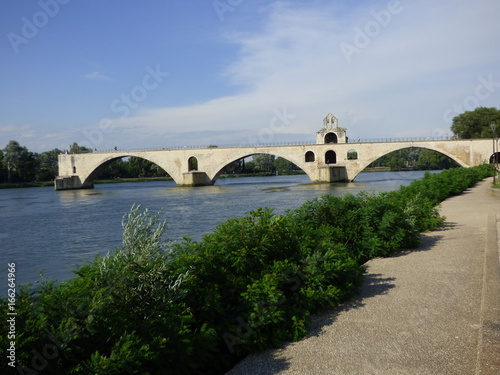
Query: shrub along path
pixel 435 310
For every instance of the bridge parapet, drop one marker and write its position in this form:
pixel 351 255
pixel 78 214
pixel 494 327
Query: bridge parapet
pixel 322 162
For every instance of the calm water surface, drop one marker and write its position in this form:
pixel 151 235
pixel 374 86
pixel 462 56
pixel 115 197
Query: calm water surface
pixel 41 229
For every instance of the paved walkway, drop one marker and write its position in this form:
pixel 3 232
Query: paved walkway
pixel 432 311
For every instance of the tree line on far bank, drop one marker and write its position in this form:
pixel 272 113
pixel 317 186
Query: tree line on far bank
pixel 20 165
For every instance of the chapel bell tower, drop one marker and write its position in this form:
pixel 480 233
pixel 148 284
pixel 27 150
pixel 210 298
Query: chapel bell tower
pixel 331 133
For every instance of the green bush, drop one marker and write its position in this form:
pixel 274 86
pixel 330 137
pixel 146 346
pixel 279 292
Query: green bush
pixel 197 307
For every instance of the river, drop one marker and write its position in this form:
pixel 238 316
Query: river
pixel 41 229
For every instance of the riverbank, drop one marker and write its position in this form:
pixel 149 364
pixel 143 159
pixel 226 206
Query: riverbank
pixel 431 311
pixel 18 185
pixel 251 284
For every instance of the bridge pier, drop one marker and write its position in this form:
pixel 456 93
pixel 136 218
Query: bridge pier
pixel 195 178
pixel 332 173
pixel 70 183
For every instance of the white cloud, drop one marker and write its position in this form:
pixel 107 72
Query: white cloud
pixel 38 139
pixel 15 132
pixel 96 76
pixel 427 57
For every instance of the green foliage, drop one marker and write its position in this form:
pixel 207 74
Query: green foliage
pixel 197 307
pixel 75 148
pixel 235 167
pixel 263 163
pixel 134 167
pixel 414 158
pixel 47 165
pixel 476 123
pixel 19 165
pixel 3 168
pixel 352 155
pixel 123 313
pixel 18 162
pixel 282 165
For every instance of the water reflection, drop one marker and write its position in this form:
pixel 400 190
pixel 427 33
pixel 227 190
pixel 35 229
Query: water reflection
pixel 85 196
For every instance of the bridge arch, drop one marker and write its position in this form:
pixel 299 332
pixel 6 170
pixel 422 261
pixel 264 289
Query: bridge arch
pixel 94 170
pixel 247 153
pixel 361 165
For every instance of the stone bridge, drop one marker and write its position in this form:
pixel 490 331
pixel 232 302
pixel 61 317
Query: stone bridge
pixel 329 160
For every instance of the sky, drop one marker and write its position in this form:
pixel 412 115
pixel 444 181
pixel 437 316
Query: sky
pixel 164 73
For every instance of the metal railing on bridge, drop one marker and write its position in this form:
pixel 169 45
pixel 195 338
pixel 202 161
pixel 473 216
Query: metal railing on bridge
pixel 197 147
pixel 402 139
pixel 274 144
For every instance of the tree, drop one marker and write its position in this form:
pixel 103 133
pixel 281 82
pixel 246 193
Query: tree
pixel 235 167
pixel 76 149
pixel 283 165
pixel 429 159
pixel 414 158
pixel 12 159
pixel 396 163
pixel 138 167
pixel 27 171
pixel 264 163
pixel 3 168
pixel 352 155
pixel 476 123
pixel 47 165
pixel 249 167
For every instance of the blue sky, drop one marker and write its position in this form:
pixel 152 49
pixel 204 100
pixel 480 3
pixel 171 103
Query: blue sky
pixel 173 73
